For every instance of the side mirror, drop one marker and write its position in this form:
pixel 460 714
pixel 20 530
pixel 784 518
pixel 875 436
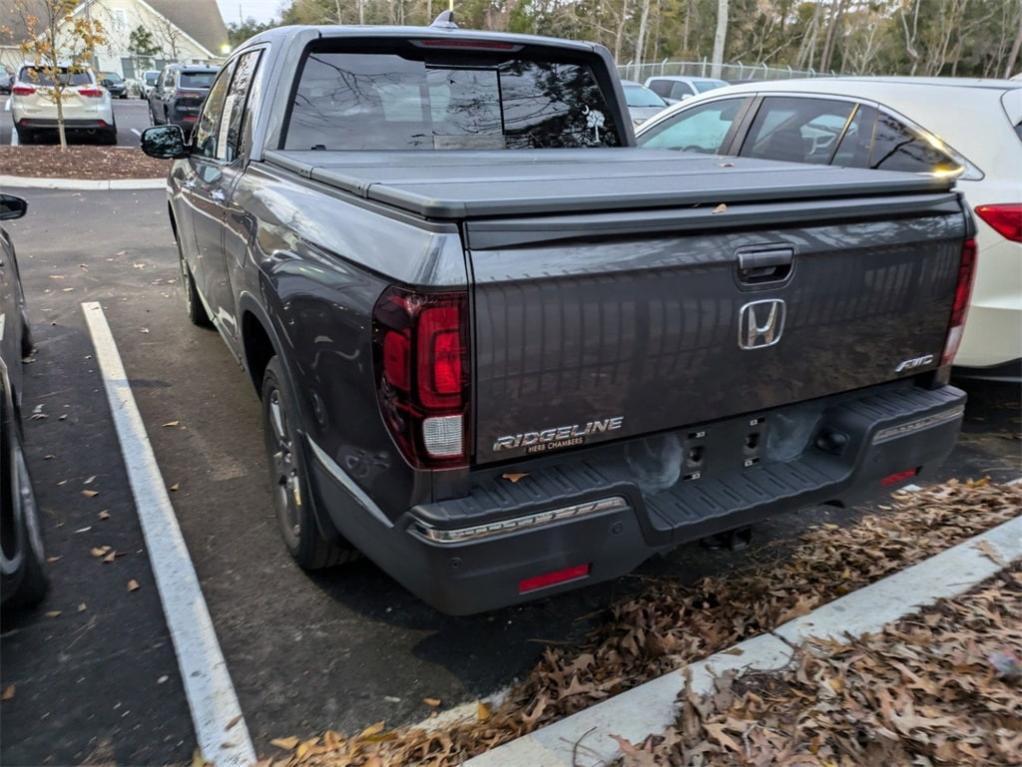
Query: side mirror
pixel 12 207
pixel 164 142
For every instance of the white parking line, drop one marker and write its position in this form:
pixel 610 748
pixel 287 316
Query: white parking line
pixel 220 728
pixel 136 132
pixel 7 104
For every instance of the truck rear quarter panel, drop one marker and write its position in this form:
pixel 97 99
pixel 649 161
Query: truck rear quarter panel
pixel 317 263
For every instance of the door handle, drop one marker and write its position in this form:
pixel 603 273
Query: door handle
pixel 761 266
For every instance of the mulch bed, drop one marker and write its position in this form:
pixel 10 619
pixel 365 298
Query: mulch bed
pixel 80 162
pixel 941 687
pixel 671 625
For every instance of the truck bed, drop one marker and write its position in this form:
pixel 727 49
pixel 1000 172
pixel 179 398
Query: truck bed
pixel 483 184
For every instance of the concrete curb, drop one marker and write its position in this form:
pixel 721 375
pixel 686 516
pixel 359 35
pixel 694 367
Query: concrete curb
pixel 82 184
pixel 650 708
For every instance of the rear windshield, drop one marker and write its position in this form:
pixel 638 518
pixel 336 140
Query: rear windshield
pixel 637 96
pixel 197 79
pixel 111 76
pixel 443 99
pixel 708 85
pixel 151 78
pixel 38 76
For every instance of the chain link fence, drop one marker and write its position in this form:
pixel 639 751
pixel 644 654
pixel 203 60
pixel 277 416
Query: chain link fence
pixel 733 73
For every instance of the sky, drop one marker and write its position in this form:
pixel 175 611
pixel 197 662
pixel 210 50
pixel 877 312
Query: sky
pixel 260 10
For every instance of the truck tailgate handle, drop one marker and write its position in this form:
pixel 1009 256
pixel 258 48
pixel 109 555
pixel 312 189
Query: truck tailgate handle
pixel 759 266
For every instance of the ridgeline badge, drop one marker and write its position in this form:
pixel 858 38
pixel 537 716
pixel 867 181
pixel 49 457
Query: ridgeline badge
pixel 557 437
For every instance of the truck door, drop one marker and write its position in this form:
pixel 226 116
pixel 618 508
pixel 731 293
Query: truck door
pixel 232 154
pixel 204 193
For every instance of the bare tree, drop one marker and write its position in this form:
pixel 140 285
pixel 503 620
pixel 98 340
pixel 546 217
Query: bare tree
pixel 719 38
pixel 640 39
pixel 1009 65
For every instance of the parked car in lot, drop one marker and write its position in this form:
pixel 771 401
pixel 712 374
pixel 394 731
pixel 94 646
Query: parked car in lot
pixel 6 81
pixel 86 106
pixel 642 103
pixel 968 129
pixel 178 94
pixel 505 353
pixel 22 558
pixel 676 88
pixel 114 83
pixel 149 80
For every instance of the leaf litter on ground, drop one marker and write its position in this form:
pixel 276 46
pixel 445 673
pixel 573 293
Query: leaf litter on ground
pixel 935 688
pixel 671 624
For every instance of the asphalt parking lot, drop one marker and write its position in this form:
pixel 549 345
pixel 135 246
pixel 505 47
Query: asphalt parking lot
pixel 341 649
pixel 131 115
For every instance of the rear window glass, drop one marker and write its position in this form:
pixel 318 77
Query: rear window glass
pixel 38 76
pixel 447 100
pixel 637 96
pixel 898 147
pixel 151 78
pixel 708 85
pixel 197 79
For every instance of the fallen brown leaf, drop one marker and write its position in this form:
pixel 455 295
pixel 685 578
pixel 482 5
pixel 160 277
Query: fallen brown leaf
pixel 133 585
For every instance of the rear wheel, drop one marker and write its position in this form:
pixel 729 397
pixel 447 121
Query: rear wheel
pixel 25 136
pixel 295 517
pixel 109 136
pixel 27 344
pixel 193 304
pixel 33 582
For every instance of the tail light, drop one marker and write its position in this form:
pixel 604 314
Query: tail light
pixel 422 374
pixel 91 93
pixel 1005 219
pixel 963 291
pixel 22 90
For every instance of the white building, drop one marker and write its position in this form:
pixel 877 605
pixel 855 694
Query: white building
pixel 187 31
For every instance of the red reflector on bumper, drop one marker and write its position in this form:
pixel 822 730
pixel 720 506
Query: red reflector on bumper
pixel 899 476
pixel 551 579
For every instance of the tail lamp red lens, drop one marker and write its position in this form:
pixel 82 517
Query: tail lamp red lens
pixel 92 93
pixel 1004 218
pixel 421 354
pixel 963 292
pixel 23 90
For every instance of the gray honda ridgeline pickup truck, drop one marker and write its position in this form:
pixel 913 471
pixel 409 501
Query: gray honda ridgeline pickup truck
pixel 504 353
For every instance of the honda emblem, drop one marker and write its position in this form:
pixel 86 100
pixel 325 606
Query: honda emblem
pixel 760 323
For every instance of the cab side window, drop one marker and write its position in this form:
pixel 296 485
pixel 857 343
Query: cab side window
pixel 207 128
pixel 661 88
pixel 700 129
pixel 680 90
pixel 898 147
pixel 236 104
pixel 855 144
pixel 797 129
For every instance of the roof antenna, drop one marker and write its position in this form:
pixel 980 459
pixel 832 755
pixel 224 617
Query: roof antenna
pixel 445 21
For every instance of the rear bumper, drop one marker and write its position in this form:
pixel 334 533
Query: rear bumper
pixel 45 123
pixel 612 508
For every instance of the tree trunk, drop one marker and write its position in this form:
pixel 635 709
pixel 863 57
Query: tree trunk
pixel 619 37
pixel 59 96
pixel 640 40
pixel 1009 66
pixel 719 38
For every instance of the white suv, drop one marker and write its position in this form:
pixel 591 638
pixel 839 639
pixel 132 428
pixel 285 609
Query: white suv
pixel 86 105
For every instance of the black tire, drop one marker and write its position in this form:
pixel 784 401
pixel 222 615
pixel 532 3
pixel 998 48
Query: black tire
pixel 27 344
pixel 295 517
pixel 32 582
pixel 110 136
pixel 193 304
pixel 25 136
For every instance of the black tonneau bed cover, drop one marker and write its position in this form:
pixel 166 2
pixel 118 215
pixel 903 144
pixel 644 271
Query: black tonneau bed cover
pixel 483 184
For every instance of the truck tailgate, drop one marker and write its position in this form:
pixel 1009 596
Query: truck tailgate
pixel 595 327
